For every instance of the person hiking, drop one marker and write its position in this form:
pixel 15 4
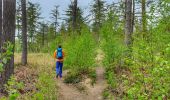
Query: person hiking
pixel 59 57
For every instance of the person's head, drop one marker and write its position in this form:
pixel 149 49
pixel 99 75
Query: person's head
pixel 59 46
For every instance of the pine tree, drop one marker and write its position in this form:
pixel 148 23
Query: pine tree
pixel 98 13
pixel 79 18
pixel 55 16
pixel 74 16
pixel 51 32
pixel 42 34
pixel 33 15
pixel 62 29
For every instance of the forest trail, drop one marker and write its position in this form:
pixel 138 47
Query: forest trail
pixel 70 92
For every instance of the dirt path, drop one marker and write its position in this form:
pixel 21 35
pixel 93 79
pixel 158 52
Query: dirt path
pixel 97 90
pixel 69 92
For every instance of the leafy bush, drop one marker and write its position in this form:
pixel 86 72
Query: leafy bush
pixel 150 65
pixel 80 54
pixel 46 85
pixel 13 87
pixel 52 46
pixel 5 56
pixel 80 51
pixel 112 45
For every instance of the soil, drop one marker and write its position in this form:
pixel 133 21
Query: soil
pixel 70 92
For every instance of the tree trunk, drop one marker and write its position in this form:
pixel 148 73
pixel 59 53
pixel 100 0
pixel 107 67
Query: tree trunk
pixel 43 35
pixel 55 25
pixel 144 16
pixel 24 33
pixel 0 24
pixel 9 7
pixel 0 40
pixel 74 14
pixel 18 29
pixel 133 16
pixel 98 18
pixel 128 23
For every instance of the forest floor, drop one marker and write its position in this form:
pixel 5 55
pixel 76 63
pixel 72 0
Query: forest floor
pixel 90 92
pixel 38 64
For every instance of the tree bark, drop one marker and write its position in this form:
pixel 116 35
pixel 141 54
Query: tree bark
pixel 0 24
pixel 133 16
pixel 0 40
pixel 144 16
pixel 24 33
pixel 128 22
pixel 9 7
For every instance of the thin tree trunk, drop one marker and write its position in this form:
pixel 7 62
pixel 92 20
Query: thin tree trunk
pixel 9 7
pixel 18 10
pixel 43 35
pixel 128 23
pixel 0 24
pixel 74 14
pixel 18 29
pixel 124 11
pixel 133 16
pixel 144 16
pixel 24 33
pixel 98 19
pixel 55 25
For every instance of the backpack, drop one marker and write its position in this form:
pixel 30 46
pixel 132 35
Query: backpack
pixel 59 53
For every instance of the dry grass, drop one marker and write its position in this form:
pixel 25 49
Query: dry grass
pixel 36 59
pixel 35 73
pixel 100 56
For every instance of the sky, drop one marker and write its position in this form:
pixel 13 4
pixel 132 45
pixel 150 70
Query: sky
pixel 48 5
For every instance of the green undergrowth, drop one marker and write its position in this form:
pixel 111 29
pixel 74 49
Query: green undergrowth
pixel 44 84
pixel 75 77
pixel 80 57
pixel 46 87
pixel 144 75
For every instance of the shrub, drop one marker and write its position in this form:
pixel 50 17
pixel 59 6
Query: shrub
pixel 112 45
pixel 80 54
pixel 13 87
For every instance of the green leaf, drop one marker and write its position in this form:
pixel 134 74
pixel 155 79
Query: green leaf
pixel 13 96
pixel 160 98
pixel 1 67
pixel 4 60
